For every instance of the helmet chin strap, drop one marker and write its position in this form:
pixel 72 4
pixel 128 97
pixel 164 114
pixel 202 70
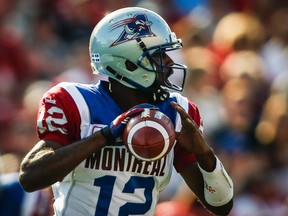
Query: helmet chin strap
pixel 160 94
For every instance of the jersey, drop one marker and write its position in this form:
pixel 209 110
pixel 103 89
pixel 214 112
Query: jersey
pixel 111 181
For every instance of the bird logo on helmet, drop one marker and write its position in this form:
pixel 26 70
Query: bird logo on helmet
pixel 135 27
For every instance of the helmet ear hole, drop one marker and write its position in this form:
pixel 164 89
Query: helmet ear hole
pixel 130 65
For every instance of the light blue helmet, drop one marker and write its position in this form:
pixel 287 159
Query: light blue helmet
pixel 122 46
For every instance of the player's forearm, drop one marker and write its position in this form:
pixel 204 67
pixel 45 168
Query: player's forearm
pixel 43 168
pixel 218 186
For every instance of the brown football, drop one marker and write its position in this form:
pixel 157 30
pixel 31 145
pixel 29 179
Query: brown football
pixel 149 136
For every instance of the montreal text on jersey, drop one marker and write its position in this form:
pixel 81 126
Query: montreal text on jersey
pixel 120 160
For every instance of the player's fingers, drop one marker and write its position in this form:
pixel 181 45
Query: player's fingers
pixel 184 115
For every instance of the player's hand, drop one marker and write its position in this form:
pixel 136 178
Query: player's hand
pixel 114 132
pixel 190 137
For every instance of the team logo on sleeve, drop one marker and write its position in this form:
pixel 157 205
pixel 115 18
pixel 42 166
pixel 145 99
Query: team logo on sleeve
pixel 136 27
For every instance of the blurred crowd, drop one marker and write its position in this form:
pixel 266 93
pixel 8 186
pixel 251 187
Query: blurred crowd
pixel 237 55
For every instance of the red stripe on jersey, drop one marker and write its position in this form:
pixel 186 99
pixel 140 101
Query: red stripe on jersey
pixel 58 117
pixel 182 157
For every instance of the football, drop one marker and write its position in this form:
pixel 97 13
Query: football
pixel 150 135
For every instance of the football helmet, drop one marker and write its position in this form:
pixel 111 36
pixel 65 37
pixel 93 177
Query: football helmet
pixel 123 46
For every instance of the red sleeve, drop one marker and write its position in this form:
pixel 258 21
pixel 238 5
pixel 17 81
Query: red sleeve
pixel 182 157
pixel 58 117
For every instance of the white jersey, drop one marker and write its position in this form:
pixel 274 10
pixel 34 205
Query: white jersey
pixel 110 181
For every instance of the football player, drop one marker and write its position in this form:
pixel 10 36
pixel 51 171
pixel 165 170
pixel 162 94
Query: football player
pixel 80 126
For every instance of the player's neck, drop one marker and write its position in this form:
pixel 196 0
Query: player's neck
pixel 127 97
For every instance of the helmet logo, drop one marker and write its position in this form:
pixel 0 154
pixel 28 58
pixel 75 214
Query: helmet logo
pixel 136 27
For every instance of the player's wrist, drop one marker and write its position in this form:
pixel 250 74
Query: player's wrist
pixel 106 132
pixel 218 185
pixel 207 160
